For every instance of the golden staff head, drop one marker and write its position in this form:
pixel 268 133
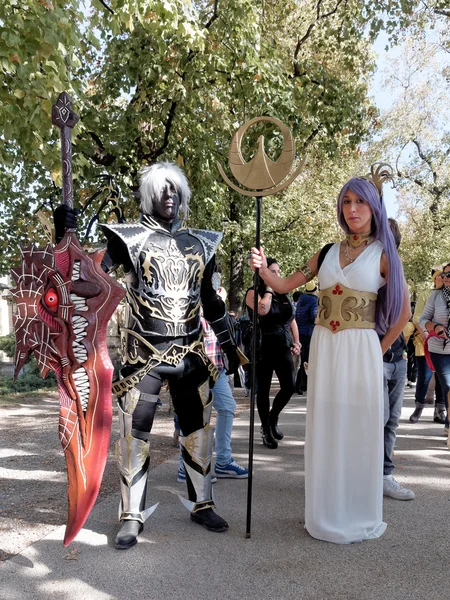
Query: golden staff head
pixel 264 176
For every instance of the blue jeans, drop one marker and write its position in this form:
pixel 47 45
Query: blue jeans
pixel 225 406
pixel 394 386
pixel 441 363
pixel 424 374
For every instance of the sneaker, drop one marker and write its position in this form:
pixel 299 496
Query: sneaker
pixel 393 489
pixel 181 476
pixel 232 471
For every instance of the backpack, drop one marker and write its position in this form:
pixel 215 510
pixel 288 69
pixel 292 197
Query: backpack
pixel 322 255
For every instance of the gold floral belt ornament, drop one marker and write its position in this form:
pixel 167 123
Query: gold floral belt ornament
pixel 342 308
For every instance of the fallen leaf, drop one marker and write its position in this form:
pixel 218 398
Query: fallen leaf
pixel 73 554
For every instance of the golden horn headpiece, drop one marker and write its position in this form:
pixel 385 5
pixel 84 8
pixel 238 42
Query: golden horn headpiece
pixel 380 173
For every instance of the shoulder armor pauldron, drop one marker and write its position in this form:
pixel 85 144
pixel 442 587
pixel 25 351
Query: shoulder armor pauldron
pixel 133 235
pixel 209 240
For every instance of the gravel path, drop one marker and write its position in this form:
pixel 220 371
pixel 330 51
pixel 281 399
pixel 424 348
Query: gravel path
pixel 33 485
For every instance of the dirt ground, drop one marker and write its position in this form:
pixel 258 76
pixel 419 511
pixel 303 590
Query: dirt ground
pixel 33 487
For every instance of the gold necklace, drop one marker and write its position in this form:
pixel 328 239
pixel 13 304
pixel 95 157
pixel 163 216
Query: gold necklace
pixel 347 247
pixel 347 255
pixel 355 240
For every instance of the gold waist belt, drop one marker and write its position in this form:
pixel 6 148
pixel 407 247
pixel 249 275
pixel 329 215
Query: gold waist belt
pixel 342 308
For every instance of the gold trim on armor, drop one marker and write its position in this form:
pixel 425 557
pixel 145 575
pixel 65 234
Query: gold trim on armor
pixel 200 452
pixel 203 505
pixel 306 272
pixel 131 454
pixel 172 356
pixel 204 392
pixel 341 308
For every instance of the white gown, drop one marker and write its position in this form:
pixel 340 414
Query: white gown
pixel 344 444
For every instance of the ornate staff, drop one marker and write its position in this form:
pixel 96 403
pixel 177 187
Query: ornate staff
pixel 64 303
pixel 266 177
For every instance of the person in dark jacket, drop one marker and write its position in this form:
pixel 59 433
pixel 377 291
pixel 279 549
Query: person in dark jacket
pixel 279 342
pixel 305 316
pixel 394 370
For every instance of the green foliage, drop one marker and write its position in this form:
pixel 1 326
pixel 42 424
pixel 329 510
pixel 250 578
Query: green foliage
pixel 173 79
pixel 414 135
pixel 8 345
pixel 29 380
pixel 30 377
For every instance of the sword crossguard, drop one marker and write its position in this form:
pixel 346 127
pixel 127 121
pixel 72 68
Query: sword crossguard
pixel 62 113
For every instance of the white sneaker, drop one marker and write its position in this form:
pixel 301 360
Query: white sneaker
pixel 393 489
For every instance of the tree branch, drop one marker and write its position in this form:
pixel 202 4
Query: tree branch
pixel 214 16
pixel 421 153
pixel 311 26
pixel 169 124
pixel 100 156
pixel 441 11
pixel 107 7
pixel 292 222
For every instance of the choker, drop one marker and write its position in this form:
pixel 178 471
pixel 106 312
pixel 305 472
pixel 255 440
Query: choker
pixel 356 240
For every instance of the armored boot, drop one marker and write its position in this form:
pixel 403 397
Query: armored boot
pixel 196 451
pixel 133 460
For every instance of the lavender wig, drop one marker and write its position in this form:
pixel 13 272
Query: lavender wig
pixel 390 297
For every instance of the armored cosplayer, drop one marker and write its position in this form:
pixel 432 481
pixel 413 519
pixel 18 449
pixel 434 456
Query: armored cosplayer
pixel 168 270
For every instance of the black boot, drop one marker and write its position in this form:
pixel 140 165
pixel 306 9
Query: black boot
pixel 208 518
pixel 439 416
pixel 268 440
pixel 276 432
pixel 127 536
pixel 416 415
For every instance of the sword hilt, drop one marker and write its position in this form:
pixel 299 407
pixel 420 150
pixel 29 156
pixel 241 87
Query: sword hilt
pixel 65 118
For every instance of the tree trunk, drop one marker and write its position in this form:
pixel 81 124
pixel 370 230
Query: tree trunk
pixel 237 252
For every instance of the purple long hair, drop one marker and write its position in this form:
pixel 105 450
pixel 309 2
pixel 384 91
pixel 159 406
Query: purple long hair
pixel 390 296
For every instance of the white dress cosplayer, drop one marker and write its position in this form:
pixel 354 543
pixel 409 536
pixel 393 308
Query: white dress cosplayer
pixel 344 445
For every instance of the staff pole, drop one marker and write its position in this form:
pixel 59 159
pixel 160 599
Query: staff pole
pixel 253 365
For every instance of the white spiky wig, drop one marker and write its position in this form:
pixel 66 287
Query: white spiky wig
pixel 153 180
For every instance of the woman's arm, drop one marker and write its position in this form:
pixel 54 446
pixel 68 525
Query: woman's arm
pixel 264 303
pixel 427 319
pixel 296 346
pixel 283 285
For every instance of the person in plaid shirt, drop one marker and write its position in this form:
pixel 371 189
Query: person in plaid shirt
pixel 225 406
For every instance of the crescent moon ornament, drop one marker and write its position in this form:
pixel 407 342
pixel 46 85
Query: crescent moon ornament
pixel 261 174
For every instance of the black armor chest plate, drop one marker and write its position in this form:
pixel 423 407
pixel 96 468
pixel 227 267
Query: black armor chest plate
pixel 166 300
pixel 163 292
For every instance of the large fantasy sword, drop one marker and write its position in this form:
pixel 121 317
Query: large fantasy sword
pixel 64 303
pixel 266 177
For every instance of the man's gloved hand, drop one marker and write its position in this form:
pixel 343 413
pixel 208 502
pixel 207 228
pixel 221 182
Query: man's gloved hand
pixel 230 358
pixel 65 218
